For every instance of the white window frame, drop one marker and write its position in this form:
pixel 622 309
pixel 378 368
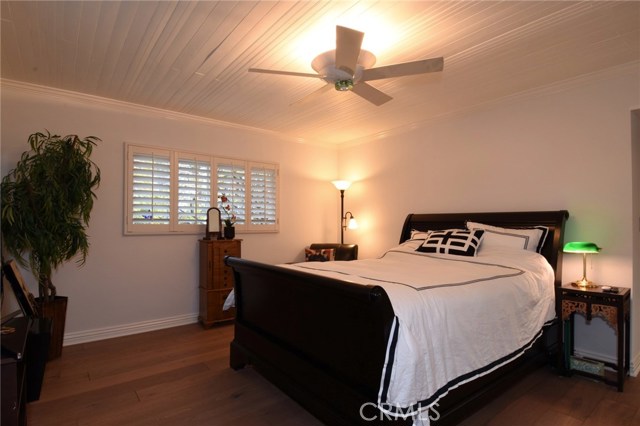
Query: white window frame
pixel 173 227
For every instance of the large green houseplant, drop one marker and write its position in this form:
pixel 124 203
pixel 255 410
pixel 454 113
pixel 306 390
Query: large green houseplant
pixel 46 206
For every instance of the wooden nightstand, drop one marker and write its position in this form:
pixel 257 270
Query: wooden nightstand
pixel 615 309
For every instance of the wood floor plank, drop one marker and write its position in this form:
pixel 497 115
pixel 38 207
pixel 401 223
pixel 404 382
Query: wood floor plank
pixel 550 388
pixel 630 396
pixel 556 418
pixel 636 418
pixel 609 412
pixel 582 397
pixel 524 411
pixel 181 376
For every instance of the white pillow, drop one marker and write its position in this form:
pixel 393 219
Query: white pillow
pixel 419 235
pixel 531 239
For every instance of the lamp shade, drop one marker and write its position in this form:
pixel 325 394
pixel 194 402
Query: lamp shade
pixel 581 247
pixel 352 223
pixel 342 185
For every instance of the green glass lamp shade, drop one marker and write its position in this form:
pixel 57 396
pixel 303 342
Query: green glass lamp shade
pixel 581 247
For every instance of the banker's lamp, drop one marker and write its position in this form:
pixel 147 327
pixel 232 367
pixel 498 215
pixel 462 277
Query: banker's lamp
pixel 347 220
pixel 583 248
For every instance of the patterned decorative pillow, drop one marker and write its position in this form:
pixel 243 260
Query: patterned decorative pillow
pixel 531 239
pixel 321 255
pixel 460 242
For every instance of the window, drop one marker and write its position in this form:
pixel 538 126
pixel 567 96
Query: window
pixel 263 188
pixel 232 184
pixel 194 190
pixel 149 203
pixel 170 191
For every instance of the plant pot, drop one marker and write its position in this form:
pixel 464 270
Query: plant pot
pixel 37 355
pixel 229 232
pixel 56 311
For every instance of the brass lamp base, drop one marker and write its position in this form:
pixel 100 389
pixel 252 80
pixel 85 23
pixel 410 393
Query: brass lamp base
pixel 584 284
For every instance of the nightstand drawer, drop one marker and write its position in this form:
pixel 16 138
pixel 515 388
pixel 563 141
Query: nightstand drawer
pixel 211 303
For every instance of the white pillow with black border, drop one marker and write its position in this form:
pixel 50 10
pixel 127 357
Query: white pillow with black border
pixel 459 242
pixel 531 239
pixel 419 235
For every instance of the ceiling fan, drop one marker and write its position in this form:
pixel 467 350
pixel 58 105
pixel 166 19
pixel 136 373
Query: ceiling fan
pixel 348 68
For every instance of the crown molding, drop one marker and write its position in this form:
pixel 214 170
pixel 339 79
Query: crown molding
pixel 62 94
pixel 559 86
pixel 92 100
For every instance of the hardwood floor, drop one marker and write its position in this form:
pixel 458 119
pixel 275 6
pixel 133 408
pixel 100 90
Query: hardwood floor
pixel 180 376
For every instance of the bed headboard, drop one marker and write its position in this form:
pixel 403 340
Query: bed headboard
pixel 554 220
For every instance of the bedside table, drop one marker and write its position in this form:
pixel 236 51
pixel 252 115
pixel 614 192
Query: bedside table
pixel 614 308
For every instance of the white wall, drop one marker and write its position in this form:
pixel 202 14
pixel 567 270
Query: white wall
pixel 566 147
pixel 131 281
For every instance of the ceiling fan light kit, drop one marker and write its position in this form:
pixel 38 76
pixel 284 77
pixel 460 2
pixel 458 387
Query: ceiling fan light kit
pixel 348 67
pixel 344 85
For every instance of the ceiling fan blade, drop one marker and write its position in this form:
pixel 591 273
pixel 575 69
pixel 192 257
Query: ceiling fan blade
pixel 312 95
pixel 297 74
pixel 400 70
pixel 348 44
pixel 371 94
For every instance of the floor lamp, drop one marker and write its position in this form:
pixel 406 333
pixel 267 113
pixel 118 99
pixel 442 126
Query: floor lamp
pixel 347 220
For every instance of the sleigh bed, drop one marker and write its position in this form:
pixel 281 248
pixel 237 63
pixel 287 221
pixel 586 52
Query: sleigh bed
pixel 326 341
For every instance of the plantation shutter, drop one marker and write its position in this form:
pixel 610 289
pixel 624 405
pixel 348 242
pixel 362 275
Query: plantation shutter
pixel 150 188
pixel 231 181
pixel 263 187
pixel 194 190
pixel 169 191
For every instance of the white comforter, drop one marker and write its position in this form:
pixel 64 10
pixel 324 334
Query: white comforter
pixel 457 318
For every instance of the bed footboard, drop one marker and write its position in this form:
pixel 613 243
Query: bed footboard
pixel 321 340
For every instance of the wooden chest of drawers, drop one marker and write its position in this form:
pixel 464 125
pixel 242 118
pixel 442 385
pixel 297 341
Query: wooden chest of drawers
pixel 216 280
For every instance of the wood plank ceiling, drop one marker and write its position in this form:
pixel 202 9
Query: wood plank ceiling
pixel 192 56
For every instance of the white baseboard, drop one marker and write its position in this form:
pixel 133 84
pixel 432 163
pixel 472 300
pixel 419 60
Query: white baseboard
pixel 595 355
pixel 634 368
pixel 78 337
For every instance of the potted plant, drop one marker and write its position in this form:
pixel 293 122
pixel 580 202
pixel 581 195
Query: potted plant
pixel 230 220
pixel 46 206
